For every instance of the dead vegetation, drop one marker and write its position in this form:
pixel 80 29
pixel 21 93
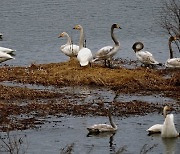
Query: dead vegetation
pixel 21 107
pixel 70 73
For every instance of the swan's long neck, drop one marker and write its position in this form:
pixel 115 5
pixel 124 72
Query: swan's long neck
pixel 113 36
pixel 165 111
pixel 170 48
pixel 81 39
pixel 110 120
pixel 69 41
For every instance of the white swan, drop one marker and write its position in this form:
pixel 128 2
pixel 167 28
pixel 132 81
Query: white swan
pixel 69 49
pixel 144 57
pixel 7 50
pixel 84 55
pixel 168 128
pixel 107 52
pixel 5 57
pixel 155 129
pixel 100 128
pixel 172 62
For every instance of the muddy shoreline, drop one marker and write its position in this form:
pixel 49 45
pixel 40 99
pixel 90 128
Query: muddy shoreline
pixel 22 107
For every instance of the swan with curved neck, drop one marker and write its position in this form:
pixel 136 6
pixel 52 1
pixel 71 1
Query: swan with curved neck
pixel 5 57
pixel 99 128
pixel 172 62
pixel 69 49
pixel 84 55
pixel 167 129
pixel 144 57
pixel 107 52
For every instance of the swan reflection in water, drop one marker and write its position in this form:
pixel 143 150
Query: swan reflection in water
pixel 169 145
pixel 104 135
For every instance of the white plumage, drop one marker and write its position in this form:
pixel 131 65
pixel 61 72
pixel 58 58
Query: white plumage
pixel 167 129
pixel 84 55
pixel 5 57
pixel 69 49
pixel 144 57
pixel 100 128
pixel 7 50
pixel 155 129
pixel 172 62
pixel 107 52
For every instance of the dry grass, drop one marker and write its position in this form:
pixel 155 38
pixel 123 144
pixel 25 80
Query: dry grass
pixel 70 73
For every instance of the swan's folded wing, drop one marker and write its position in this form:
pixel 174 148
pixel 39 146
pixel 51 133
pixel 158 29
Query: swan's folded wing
pixel 103 52
pixel 155 128
pixel 146 57
pixel 174 62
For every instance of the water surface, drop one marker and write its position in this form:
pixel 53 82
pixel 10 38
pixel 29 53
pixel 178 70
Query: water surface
pixel 32 27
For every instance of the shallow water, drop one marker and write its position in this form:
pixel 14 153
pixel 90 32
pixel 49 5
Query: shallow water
pixel 32 27
pixel 95 94
pixel 57 133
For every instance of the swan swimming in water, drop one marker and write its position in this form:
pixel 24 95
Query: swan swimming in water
pixel 69 49
pixel 172 62
pixel 5 57
pixel 144 57
pixel 107 52
pixel 84 55
pixel 167 129
pixel 100 128
pixel 155 129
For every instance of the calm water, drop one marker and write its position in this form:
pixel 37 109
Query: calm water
pixel 32 27
pixel 57 133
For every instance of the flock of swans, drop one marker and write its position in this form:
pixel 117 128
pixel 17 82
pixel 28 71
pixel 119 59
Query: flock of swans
pixel 85 57
pixel 5 53
pixel 167 129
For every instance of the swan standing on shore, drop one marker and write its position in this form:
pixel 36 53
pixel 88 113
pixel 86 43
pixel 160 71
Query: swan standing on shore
pixel 100 128
pixel 84 55
pixel 144 57
pixel 5 57
pixel 107 52
pixel 172 62
pixel 69 49
pixel 167 129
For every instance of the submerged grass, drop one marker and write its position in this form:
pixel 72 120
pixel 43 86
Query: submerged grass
pixel 41 103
